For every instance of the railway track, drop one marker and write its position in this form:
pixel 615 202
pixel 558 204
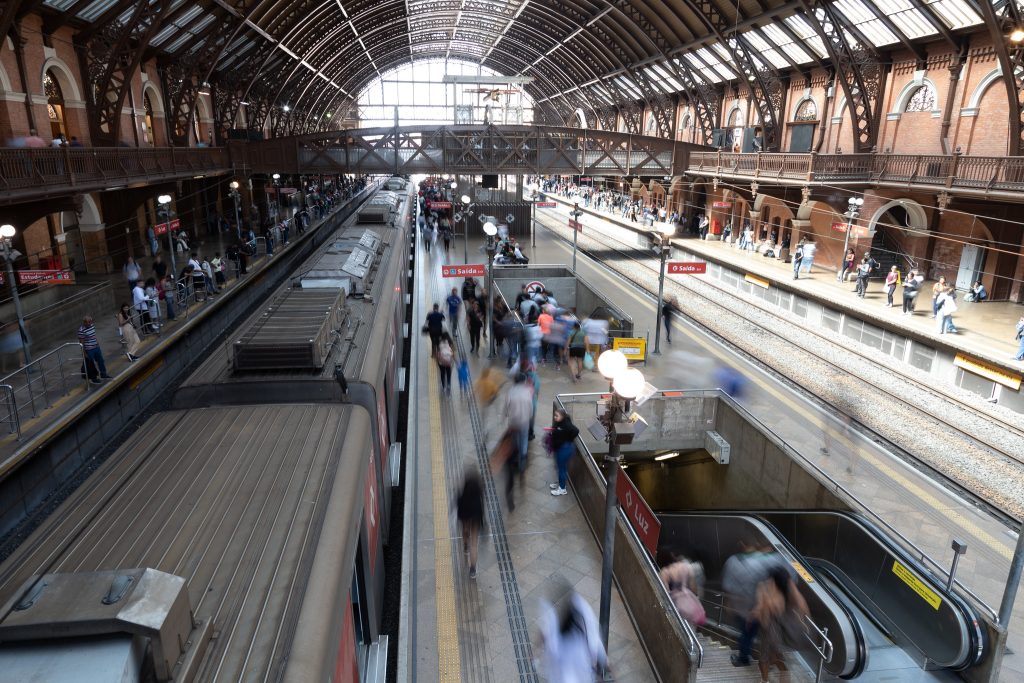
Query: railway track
pixel 985 430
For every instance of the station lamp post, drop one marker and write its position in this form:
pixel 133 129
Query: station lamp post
pixel 7 233
pixel 277 193
pixel 665 232
pixel 467 211
pixel 490 229
pixel 627 384
pixel 576 213
pixel 534 189
pixel 164 212
pixel 852 211
pixel 237 197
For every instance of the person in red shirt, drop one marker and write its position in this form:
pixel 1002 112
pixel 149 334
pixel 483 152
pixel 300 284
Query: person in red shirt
pixel 544 321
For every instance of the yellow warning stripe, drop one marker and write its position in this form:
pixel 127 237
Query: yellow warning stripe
pixel 448 663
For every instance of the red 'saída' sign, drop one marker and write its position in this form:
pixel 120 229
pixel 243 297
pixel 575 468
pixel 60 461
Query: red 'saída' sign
pixel 468 270
pixel 547 205
pixel 686 267
pixel 439 205
pixel 641 518
pixel 161 228
pixel 576 225
pixel 721 205
pixel 839 227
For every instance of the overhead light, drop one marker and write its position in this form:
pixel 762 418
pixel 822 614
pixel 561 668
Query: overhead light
pixel 667 456
pixel 1017 35
pixel 287 108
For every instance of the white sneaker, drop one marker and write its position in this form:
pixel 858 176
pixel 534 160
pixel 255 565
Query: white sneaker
pixel 558 492
pixel 553 486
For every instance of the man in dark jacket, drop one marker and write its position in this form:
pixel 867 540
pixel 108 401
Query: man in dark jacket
pixel 563 445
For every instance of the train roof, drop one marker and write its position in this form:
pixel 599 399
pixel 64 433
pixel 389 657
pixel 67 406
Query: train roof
pixel 300 333
pixel 233 500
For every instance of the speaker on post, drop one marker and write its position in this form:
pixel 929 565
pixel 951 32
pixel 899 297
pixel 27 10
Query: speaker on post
pixel 490 182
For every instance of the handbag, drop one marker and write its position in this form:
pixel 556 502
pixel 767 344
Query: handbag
pixel 588 361
pixel 425 329
pixel 689 606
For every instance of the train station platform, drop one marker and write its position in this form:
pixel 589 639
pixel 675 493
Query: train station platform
pixel 52 390
pixel 985 330
pixel 485 629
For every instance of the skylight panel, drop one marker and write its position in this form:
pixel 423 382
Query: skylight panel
pixel 59 4
pixel 95 9
pixel 910 20
pixel 757 41
pixel 858 14
pixel 776 36
pixel 956 13
pixel 707 74
pixel 808 35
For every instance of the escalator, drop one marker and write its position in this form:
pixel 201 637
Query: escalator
pixel 883 612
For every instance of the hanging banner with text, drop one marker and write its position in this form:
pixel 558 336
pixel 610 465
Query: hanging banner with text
pixel 439 205
pixel 686 268
pixel 640 516
pixel 36 277
pixel 721 205
pixel 576 225
pixel 468 270
pixel 547 205
pixel 161 228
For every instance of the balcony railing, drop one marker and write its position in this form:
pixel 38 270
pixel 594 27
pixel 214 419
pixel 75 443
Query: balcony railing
pixel 956 172
pixel 28 171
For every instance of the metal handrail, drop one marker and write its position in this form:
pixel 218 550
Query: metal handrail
pixel 36 372
pixel 909 546
pixel 12 409
pixel 825 650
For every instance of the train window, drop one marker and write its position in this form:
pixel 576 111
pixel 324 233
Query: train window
pixel 800 306
pixel 359 617
pixel 831 319
pixel 899 348
pixel 975 384
pixel 921 356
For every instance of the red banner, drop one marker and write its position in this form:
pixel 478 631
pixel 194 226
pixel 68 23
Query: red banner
pixel 721 205
pixel 686 267
pixel 468 270
pixel 161 228
pixel 839 227
pixel 35 277
pixel 576 225
pixel 547 205
pixel 439 205
pixel 641 518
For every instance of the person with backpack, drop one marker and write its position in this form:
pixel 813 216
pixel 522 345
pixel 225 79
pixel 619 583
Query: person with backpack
pixel 563 445
pixel 445 361
pixel 798 258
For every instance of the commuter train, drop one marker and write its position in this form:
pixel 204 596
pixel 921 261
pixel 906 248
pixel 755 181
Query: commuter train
pixel 239 534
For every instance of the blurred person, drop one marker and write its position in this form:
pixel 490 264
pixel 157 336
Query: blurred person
pixel 463 373
pixel 454 304
pixel 798 258
pixel 911 288
pixel 132 271
pixel 840 432
pixel 445 360
pixel 938 288
pixel 1020 339
pixel 33 139
pixel 779 610
pixel 810 248
pixel 469 292
pixel 475 321
pixel 563 445
pixel 470 511
pixel 668 311
pixel 434 326
pixel 168 291
pixel 571 638
pixel 519 409
pixel 731 381
pixel 741 575
pixel 684 582
pixel 577 342
pixel 487 387
pixel 153 295
pixel 946 308
pixel 127 328
pixel 596 330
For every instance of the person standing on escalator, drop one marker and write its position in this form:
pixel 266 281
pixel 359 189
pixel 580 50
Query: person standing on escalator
pixel 740 578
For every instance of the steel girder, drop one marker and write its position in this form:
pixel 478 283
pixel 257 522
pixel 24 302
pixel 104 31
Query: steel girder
pixel 109 57
pixel 857 69
pixel 1001 19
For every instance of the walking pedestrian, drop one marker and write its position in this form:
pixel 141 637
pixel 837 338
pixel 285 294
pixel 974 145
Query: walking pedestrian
pixel 454 304
pixel 446 235
pixel 128 334
pixel 469 509
pixel 518 408
pixel 577 351
pixel 946 308
pixel 741 575
pixel 810 248
pixel 668 311
pixel 445 361
pixel 571 637
pixel 132 272
pixel 93 366
pixel 683 581
pixel 892 280
pixel 779 609
pixel 798 258
pixel 563 445
pixel 475 322
pixel 938 288
pixel 434 326
pixel 463 373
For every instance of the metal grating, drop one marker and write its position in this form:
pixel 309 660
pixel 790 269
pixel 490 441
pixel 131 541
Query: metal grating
pixel 294 333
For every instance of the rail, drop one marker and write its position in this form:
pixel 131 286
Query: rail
pixel 824 650
pixel 31 383
pixel 12 409
pixel 952 171
pixel 827 480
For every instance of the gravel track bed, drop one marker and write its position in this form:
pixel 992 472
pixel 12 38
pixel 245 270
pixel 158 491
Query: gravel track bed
pixel 954 452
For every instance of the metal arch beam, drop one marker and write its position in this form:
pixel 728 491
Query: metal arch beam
pixel 861 77
pixel 109 57
pixel 767 90
pixel 1000 22
pixel 705 98
pixel 7 16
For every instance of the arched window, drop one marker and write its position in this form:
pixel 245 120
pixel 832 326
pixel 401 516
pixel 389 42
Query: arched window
pixel 147 131
pixel 54 104
pixel 807 111
pixel 922 99
pixel 684 128
pixel 736 123
pixel 652 126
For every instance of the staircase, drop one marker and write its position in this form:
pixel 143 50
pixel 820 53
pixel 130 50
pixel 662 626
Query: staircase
pixel 717 667
pixel 888 253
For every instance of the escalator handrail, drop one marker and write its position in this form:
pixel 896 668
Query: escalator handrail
pixel 826 644
pixel 976 637
pixel 770 532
